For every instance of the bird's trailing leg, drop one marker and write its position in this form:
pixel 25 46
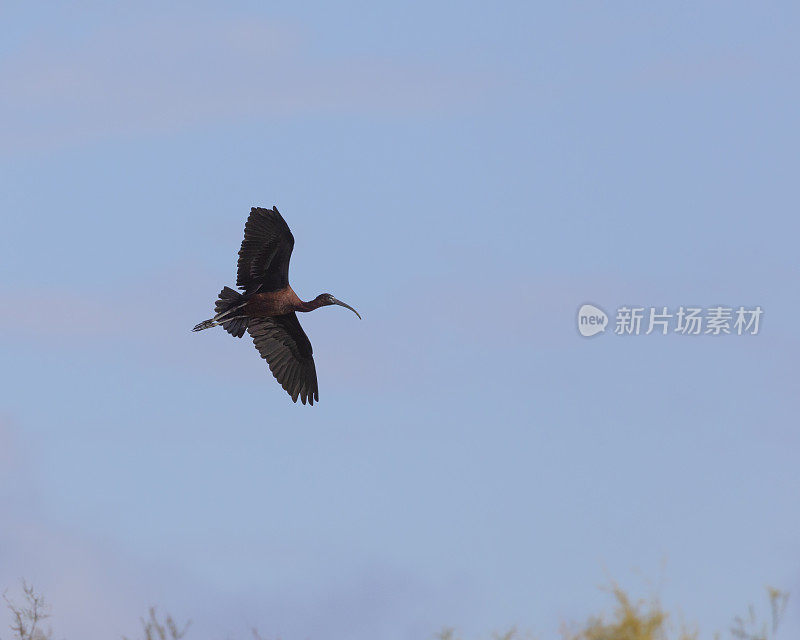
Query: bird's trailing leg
pixel 220 318
pixel 213 322
pixel 205 324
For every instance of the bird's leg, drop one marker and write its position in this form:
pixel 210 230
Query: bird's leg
pixel 225 320
pixel 219 316
pixel 207 324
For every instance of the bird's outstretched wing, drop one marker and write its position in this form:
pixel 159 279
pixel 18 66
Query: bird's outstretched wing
pixel 265 253
pixel 282 342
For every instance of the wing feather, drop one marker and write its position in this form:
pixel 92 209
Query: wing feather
pixel 282 342
pixel 265 252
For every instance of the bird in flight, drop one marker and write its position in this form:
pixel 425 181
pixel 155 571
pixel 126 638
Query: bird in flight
pixel 267 306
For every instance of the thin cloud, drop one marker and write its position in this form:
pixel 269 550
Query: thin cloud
pixel 690 72
pixel 167 76
pixel 98 589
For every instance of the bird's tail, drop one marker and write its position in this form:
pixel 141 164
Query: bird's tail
pixel 228 303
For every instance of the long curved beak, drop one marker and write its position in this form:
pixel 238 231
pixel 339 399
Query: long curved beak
pixel 346 306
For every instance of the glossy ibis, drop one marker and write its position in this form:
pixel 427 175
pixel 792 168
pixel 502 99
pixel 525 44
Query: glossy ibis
pixel 267 307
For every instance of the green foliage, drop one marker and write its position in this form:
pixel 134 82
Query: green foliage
pixel 629 620
pixel 750 629
pixel 647 620
pixel 155 629
pixel 29 616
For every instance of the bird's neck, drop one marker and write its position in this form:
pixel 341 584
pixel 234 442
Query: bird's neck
pixel 316 303
pixel 296 304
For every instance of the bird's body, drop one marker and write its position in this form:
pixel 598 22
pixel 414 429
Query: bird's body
pixel 277 303
pixel 267 307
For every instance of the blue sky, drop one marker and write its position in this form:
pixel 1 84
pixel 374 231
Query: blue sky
pixel 466 177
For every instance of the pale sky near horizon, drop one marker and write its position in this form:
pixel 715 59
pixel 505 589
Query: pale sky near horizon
pixel 466 178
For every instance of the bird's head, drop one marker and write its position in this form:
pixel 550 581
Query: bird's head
pixel 326 299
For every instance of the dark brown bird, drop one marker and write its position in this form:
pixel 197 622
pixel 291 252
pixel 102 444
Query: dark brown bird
pixel 266 308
